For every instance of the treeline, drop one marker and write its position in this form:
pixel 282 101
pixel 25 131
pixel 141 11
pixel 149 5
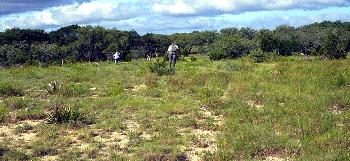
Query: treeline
pixel 75 43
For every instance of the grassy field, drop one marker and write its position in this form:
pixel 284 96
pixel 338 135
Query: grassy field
pixel 288 108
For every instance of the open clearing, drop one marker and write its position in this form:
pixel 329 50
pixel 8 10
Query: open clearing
pixel 286 109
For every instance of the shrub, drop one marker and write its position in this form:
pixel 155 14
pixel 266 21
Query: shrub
pixel 6 89
pixel 229 47
pixel 160 66
pixel 61 114
pixel 258 56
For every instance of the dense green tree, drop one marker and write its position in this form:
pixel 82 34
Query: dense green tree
pixel 16 35
pixel 286 40
pixel 65 35
pixel 333 47
pixel 230 47
pixel 267 40
pixel 75 43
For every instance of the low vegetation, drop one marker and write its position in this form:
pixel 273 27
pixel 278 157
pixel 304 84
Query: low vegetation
pixel 253 108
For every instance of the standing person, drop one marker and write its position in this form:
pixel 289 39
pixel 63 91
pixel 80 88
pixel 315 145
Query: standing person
pixel 173 51
pixel 116 57
pixel 148 56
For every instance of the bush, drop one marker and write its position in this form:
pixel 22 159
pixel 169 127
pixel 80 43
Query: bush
pixel 160 66
pixel 6 89
pixel 258 56
pixel 62 114
pixel 229 47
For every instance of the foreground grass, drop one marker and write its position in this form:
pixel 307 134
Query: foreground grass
pixel 208 110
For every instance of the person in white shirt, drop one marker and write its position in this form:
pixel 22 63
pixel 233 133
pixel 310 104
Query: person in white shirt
pixel 173 52
pixel 116 57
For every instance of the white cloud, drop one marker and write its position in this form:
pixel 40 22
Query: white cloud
pixel 212 7
pixel 186 15
pixel 83 13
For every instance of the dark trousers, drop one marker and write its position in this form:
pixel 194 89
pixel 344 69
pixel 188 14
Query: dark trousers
pixel 172 60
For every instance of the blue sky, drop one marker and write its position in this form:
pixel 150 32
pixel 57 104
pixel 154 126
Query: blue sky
pixel 169 16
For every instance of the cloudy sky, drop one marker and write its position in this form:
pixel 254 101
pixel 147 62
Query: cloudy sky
pixel 169 16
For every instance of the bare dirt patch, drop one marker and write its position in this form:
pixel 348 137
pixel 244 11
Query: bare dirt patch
pixel 271 154
pixel 8 131
pixel 205 139
pixel 139 88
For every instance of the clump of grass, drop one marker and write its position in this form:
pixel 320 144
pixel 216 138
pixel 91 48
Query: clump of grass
pixel 15 103
pixel 7 153
pixel 3 113
pixel 165 155
pixel 161 67
pixel 231 66
pixel 193 59
pixel 152 80
pixel 339 80
pixel 23 128
pixel 30 113
pixel 7 89
pixel 210 97
pixel 40 149
pixel 75 90
pixel 63 114
pixel 153 92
